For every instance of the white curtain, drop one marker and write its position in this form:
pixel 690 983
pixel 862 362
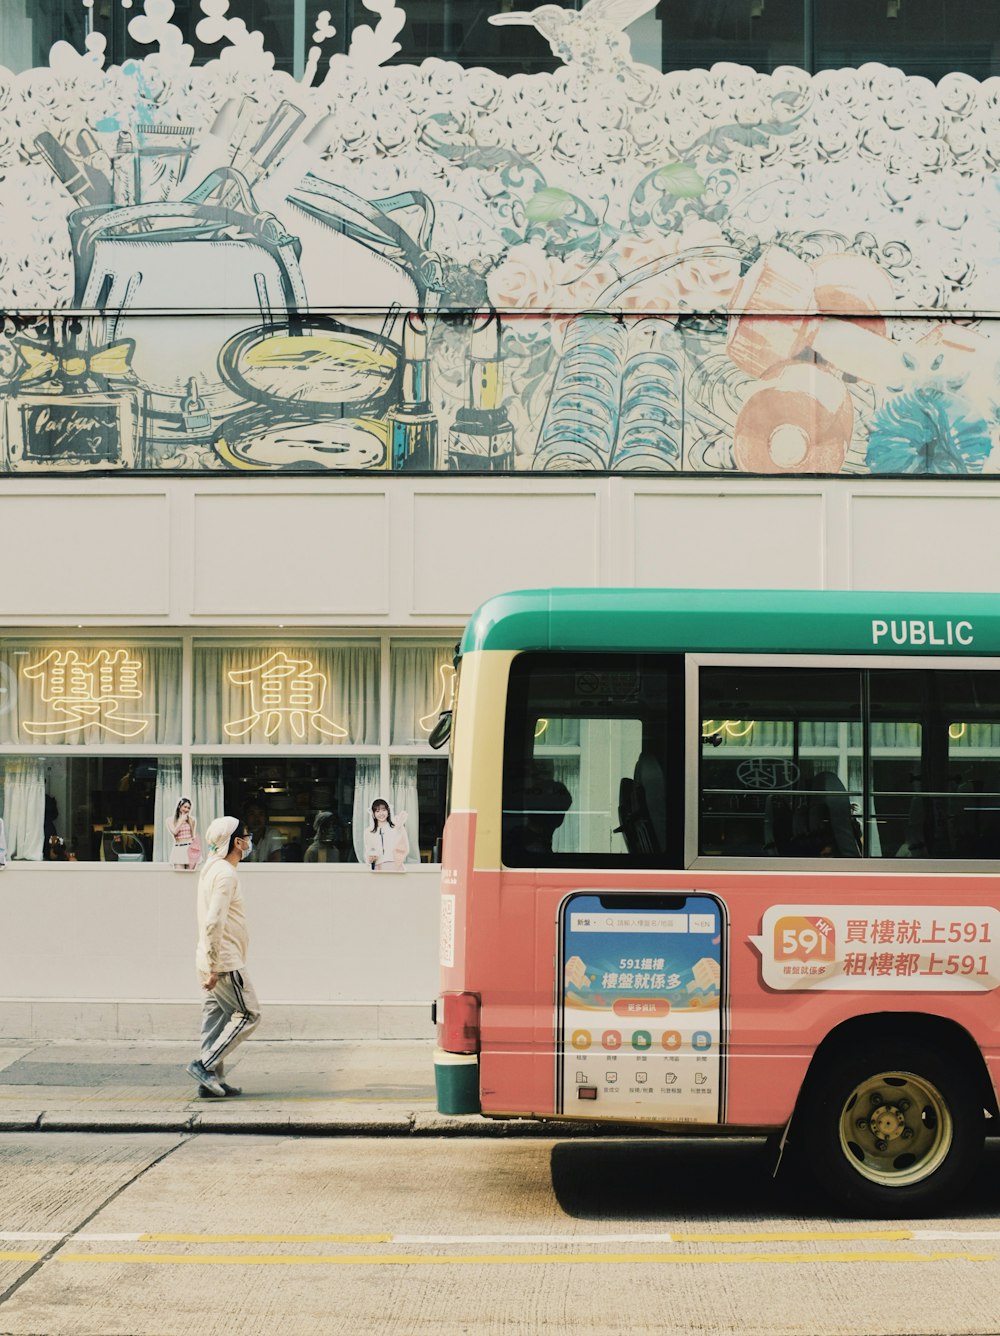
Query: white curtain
pixel 420 679
pixel 405 798
pixel 366 790
pixel 24 807
pixel 168 794
pixel 207 799
pixel 280 695
pixel 69 695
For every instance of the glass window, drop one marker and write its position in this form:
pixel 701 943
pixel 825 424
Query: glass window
pixel 299 810
pixel 421 683
pixel 813 763
pixel 88 808
pixel 925 37
pixel 75 695
pixel 418 787
pixel 30 28
pixel 460 30
pixel 774 762
pixel 935 763
pixel 287 694
pixel 760 33
pixel 591 761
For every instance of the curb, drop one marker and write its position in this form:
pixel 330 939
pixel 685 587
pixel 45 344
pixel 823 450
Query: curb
pixel 251 1123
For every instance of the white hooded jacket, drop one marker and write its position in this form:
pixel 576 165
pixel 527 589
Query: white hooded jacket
pixel 223 938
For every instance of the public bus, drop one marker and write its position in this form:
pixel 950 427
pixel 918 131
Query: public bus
pixel 726 862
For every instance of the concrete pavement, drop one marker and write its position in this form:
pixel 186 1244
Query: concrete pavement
pixel 375 1088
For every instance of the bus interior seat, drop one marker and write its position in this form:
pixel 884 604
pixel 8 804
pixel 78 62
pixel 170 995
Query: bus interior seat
pixel 626 814
pixel 649 794
pixel 830 817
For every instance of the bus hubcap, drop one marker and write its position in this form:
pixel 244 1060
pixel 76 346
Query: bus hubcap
pixel 896 1129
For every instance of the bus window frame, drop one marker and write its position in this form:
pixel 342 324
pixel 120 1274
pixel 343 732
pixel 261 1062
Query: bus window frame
pixel 675 762
pixel 694 662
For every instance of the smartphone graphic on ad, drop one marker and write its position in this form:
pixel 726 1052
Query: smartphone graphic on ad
pixel 641 1007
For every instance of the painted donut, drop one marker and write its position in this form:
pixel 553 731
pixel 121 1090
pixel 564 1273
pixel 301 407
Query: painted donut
pixel 799 420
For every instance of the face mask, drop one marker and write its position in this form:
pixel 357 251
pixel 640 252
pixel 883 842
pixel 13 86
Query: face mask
pixel 248 850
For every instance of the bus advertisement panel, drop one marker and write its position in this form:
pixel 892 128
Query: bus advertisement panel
pixel 641 1024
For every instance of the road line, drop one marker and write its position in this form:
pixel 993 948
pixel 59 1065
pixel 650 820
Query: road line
pixel 252 1238
pixel 520 1240
pixel 19 1257
pixel 54 1238
pixel 460 1240
pixel 453 1240
pixel 518 1259
pixel 802 1236
pixel 928 1235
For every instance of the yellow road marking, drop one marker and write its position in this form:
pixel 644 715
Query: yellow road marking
pixel 264 1238
pixel 515 1259
pixel 19 1257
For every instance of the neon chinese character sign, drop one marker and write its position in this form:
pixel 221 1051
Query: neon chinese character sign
pixel 86 693
pixel 446 697
pixel 283 690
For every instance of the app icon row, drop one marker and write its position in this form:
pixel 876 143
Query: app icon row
pixel 641 1040
pixel 641 1077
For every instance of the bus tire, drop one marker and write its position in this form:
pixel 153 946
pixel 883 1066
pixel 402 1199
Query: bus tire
pixel 890 1129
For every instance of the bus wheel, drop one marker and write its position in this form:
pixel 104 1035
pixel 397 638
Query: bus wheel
pixel 890 1130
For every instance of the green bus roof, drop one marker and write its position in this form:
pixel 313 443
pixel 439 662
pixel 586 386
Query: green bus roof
pixel 737 621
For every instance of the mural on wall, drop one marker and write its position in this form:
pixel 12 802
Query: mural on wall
pixel 217 266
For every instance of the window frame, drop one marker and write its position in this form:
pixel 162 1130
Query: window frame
pixel 694 662
pixel 186 749
pixel 672 716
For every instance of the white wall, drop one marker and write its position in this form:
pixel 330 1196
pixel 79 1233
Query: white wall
pixel 101 950
pixel 418 553
pixel 108 950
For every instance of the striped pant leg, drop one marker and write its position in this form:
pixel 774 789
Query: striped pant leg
pixel 235 1016
pixel 215 1017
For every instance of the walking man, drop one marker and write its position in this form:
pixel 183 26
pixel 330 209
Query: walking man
pixel 231 1011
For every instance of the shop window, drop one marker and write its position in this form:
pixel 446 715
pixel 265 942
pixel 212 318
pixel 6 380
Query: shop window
pixel 59 695
pixel 285 695
pixel 299 810
pixel 421 684
pixel 418 787
pixel 88 808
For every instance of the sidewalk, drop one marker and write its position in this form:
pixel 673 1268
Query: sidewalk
pixel 370 1088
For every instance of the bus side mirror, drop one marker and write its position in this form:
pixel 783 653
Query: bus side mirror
pixel 441 731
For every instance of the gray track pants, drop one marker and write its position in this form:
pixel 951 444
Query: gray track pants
pixel 230 1013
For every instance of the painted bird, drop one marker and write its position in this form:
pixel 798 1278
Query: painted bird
pixel 593 37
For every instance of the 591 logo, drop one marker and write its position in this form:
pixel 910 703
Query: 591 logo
pixel 804 937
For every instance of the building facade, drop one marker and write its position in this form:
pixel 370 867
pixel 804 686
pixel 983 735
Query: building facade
pixel 319 329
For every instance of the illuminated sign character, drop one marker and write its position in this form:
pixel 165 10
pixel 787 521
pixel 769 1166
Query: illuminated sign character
pixel 283 689
pixel 84 692
pixel 446 697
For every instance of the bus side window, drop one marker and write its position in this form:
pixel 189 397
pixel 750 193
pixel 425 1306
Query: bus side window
pixel 587 772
